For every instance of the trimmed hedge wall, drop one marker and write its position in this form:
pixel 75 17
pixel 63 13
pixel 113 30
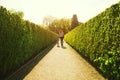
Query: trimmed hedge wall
pixel 99 41
pixel 20 40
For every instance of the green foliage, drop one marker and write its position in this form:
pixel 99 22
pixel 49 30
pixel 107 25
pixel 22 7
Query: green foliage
pixel 20 40
pixel 19 13
pixel 99 40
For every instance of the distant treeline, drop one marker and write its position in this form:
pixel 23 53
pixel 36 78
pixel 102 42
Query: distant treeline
pixel 20 40
pixel 99 41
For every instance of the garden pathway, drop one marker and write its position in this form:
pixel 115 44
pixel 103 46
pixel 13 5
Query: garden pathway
pixel 63 64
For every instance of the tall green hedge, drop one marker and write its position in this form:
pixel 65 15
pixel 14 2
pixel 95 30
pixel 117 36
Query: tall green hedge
pixel 99 40
pixel 20 40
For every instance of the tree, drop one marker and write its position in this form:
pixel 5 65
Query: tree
pixel 58 24
pixel 48 20
pixel 74 22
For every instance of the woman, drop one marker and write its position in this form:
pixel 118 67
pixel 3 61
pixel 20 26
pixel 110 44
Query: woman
pixel 61 35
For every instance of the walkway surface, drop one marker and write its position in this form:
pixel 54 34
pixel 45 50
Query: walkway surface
pixel 63 64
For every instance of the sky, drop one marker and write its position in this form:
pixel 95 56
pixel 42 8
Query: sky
pixel 36 10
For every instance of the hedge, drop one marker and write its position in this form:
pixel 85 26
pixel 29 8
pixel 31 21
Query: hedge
pixel 20 40
pixel 99 40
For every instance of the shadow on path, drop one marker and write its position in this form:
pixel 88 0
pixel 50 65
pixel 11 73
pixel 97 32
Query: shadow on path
pixel 25 69
pixel 64 47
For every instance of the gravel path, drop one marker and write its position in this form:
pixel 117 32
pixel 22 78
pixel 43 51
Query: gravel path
pixel 63 64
